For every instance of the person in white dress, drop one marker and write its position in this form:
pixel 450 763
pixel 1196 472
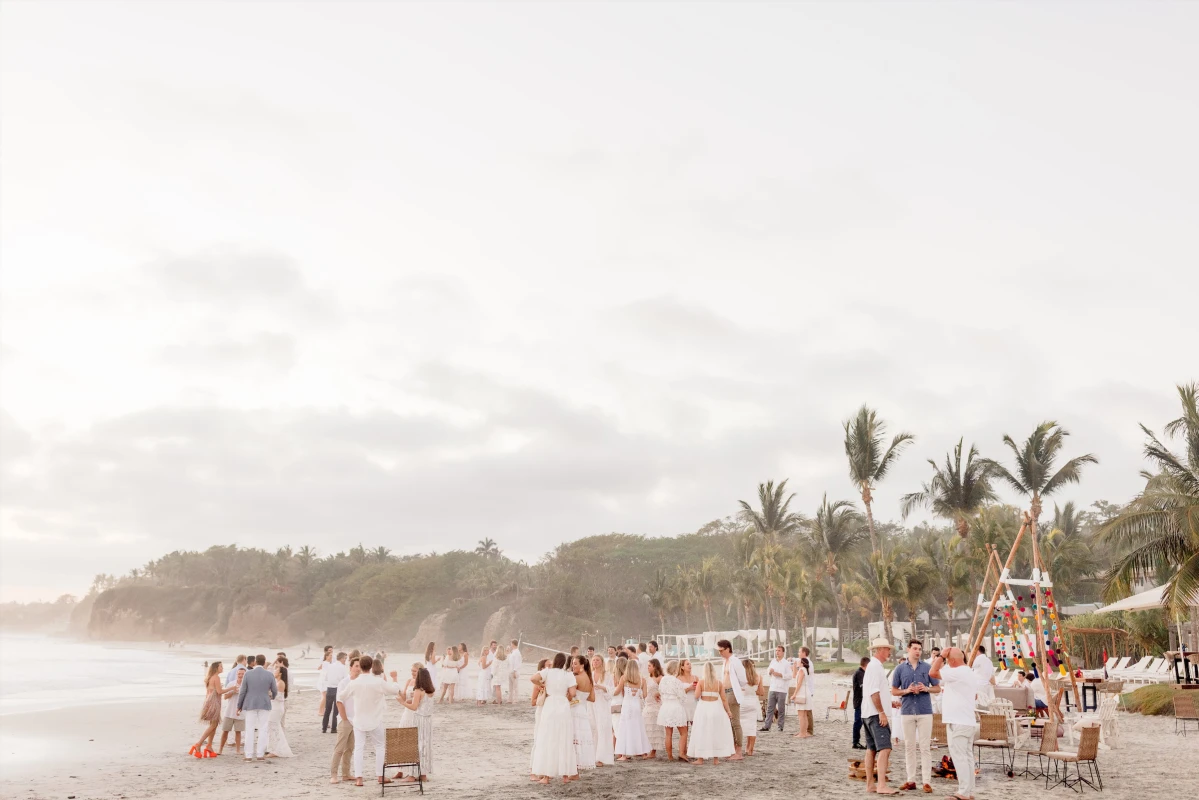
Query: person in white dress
pixel 553 743
pixel 483 687
pixel 449 674
pixel 653 704
pixel 582 712
pixel 499 676
pixel 431 661
pixel 673 714
pixel 801 699
pixel 618 668
pixel 630 725
pixel 602 709
pixel 711 733
pixel 407 716
pixel 537 700
pixel 690 689
pixel 751 710
pixel 278 739
pixel 421 706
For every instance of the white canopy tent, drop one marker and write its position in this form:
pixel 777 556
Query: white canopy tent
pixel 1144 601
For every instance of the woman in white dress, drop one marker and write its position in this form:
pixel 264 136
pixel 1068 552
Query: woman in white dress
pixel 483 687
pixel 449 675
pixel 630 725
pixel 277 740
pixel 463 663
pixel 553 744
pixel 602 708
pixel 421 706
pixel 407 717
pixel 672 714
pixel 690 689
pixel 653 705
pixel 537 701
pixel 582 712
pixel 712 733
pixel 618 668
pixel 499 676
pixel 751 709
pixel 801 699
pixel 431 661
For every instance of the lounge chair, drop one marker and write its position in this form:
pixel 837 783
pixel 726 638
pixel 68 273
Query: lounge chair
pixel 1140 666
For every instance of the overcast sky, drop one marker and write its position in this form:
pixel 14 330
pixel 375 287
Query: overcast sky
pixel 304 273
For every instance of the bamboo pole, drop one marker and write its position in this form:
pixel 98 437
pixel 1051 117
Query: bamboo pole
pixel 986 578
pixel 975 642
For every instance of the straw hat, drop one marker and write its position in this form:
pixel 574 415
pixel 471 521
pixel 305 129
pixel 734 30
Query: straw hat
pixel 881 642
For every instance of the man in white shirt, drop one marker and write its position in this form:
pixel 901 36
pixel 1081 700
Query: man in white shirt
pixel 343 751
pixel 514 663
pixel 736 687
pixel 959 689
pixel 779 672
pixel 643 658
pixel 332 673
pixel 986 670
pixel 653 653
pixel 876 699
pixel 369 694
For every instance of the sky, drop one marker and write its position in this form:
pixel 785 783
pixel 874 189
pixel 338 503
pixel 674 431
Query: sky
pixel 414 275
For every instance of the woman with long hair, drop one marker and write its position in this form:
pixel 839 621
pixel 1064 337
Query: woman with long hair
pixel 278 739
pixel 673 715
pixel 499 676
pixel 582 712
pixel 618 669
pixel 799 696
pixel 553 745
pixel 537 699
pixel 602 712
pixel 463 663
pixel 483 687
pixel 407 717
pixel 432 660
pixel 751 710
pixel 421 705
pixel 712 733
pixel 690 690
pixel 630 726
pixel 449 674
pixel 210 712
pixel 653 704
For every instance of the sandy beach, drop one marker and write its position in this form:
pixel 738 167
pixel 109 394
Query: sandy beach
pixel 135 750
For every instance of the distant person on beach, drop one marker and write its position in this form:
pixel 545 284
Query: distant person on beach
pixel 986 670
pixel 735 686
pixel 449 674
pixel 322 686
pixel 642 658
pixel 582 713
pixel 343 750
pixel 712 734
pixel 433 663
pixel 279 747
pixel 876 699
pixel 332 673
pixel 258 688
pixel 211 711
pixel 751 713
pixel 858 677
pixel 499 677
pixel 801 699
pixel 652 650
pixel 602 711
pixel 553 741
pixel 960 687
pixel 483 687
pixel 630 725
pixel 515 662
pixel 231 718
pixel 778 675
pixel 806 654
pixel 653 705
pixel 672 714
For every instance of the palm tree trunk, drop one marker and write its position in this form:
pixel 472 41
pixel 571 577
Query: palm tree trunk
pixel 803 626
pixel 866 501
pixel 950 625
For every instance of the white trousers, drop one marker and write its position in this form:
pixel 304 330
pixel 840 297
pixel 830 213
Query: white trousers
pixel 378 738
pixel 961 750
pixel 917 742
pixel 257 721
pixel 513 687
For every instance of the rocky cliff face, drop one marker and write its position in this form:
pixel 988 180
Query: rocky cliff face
pixel 432 629
pixel 151 613
pixel 497 626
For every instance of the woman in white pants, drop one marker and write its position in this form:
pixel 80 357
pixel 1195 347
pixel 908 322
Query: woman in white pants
pixel 370 692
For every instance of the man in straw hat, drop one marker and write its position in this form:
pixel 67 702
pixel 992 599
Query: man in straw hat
pixel 876 699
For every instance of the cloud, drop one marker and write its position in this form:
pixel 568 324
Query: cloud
pixel 275 351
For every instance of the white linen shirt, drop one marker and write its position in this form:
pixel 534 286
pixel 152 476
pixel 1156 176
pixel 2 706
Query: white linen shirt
pixel 515 661
pixel 959 685
pixel 370 693
pixel 780 682
pixel 737 680
pixel 875 682
pixel 333 673
pixel 348 702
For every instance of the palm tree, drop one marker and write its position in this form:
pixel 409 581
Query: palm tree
pixel 306 556
pixel 773 522
pixel 708 583
pixel 1160 527
pixel 955 492
pixel 381 554
pixel 918 586
pixel 358 555
pixel 488 548
pixel 1067 552
pixel 868 461
pixel 953 569
pixel 830 536
pixel 746 584
pixel 659 594
pixel 1034 475
pixel 684 591
pixel 884 578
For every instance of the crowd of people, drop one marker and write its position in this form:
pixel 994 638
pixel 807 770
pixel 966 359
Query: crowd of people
pixel 592 710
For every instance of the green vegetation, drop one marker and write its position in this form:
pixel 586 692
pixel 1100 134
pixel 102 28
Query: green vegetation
pixel 1155 700
pixel 769 566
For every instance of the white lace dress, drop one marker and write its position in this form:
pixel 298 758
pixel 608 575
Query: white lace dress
pixel 554 742
pixel 630 725
pixel 448 672
pixel 277 739
pixel 653 705
pixel 582 718
pixel 673 714
pixel 424 733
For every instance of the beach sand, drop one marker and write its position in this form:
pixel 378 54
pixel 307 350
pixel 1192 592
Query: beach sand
pixel 135 750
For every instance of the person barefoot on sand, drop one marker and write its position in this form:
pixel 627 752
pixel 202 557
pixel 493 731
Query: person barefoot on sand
pixel 421 705
pixel 449 675
pixel 553 744
pixel 673 714
pixel 369 693
pixel 876 699
pixel 712 733
pixel 799 698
